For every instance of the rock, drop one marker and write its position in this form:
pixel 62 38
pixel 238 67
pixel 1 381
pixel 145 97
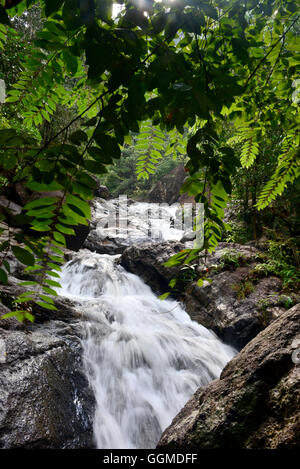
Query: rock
pixel 147 261
pixel 255 403
pixel 45 399
pixel 105 246
pixel 235 320
pixel 215 305
pixel 168 188
pixel 14 208
pixel 102 191
pixel 9 293
pixel 190 236
pixel 9 323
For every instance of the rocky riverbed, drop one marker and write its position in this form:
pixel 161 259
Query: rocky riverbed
pixel 46 400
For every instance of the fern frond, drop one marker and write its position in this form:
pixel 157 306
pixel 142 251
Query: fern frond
pixel 150 146
pixel 287 171
pixel 3 32
pixel 249 152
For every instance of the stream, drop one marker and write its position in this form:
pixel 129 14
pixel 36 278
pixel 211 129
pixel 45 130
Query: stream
pixel 144 357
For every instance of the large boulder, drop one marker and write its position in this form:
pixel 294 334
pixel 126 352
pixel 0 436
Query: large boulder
pixel 147 261
pixel 105 245
pixel 168 188
pixel 233 307
pixel 256 401
pixel 45 399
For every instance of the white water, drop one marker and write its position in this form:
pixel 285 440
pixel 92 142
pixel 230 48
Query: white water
pixel 139 222
pixel 144 357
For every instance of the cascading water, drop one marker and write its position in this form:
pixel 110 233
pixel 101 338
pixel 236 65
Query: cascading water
pixel 144 357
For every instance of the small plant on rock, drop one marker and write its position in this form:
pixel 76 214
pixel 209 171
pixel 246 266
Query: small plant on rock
pixel 243 289
pixel 231 258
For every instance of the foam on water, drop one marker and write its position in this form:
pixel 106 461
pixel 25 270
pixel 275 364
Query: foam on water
pixel 144 357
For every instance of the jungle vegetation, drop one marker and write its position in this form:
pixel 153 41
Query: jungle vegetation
pixel 216 81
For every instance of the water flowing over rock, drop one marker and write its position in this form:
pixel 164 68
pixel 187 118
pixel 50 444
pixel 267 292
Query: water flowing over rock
pixel 120 223
pixel 143 357
pixel 214 305
pixel 114 364
pixel 256 402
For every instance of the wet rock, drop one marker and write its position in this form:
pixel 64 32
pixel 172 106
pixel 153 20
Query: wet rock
pixel 218 307
pixel 65 307
pixel 107 245
pixel 9 323
pixel 190 236
pixel 147 261
pixel 232 306
pixel 45 400
pixel 256 402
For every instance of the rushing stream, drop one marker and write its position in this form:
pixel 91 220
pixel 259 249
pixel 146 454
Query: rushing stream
pixel 144 357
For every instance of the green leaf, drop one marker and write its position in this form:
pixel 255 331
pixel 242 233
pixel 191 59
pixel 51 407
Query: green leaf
pixel 11 314
pixel 164 296
pixel 4 18
pixel 52 274
pixel 7 135
pixel 53 6
pixel 42 202
pixel 41 187
pixel 78 137
pixel 50 291
pixel 29 316
pixel 71 14
pixel 95 167
pixel 77 203
pixel 108 144
pixel 45 212
pixel 28 283
pixel 41 225
pixel 59 238
pixel 47 299
pixel 64 229
pixel 23 255
pixel 52 283
pixel 76 217
pixel 46 305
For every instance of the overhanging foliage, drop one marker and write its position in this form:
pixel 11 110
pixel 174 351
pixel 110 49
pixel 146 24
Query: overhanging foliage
pixel 178 64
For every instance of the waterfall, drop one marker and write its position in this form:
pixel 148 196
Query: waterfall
pixel 144 357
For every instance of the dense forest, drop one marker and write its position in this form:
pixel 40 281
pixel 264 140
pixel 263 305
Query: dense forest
pixel 126 95
pixel 141 85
